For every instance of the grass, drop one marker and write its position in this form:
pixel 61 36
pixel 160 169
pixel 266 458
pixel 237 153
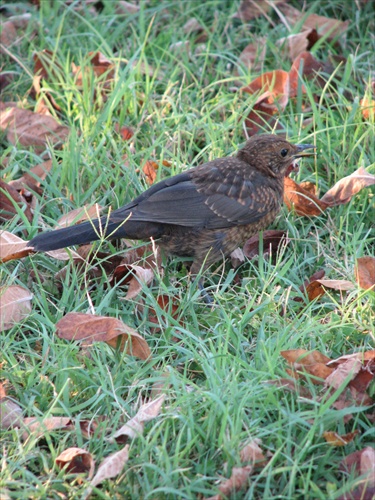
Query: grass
pixel 186 113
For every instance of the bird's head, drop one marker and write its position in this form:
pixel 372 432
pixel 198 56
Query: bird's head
pixel 272 154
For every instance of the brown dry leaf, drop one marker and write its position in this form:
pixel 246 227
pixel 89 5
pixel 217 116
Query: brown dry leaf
pixel 9 34
pixel 316 287
pixel 10 413
pixel 311 362
pixel 15 305
pixel 364 357
pixel 110 467
pixel 45 64
pixel 237 481
pixel 126 7
pixel 12 247
pixel 345 372
pixel 304 357
pixel 365 272
pixel 348 186
pixel 134 427
pixel 300 42
pixel 272 241
pixel 252 453
pixel 31 129
pixel 301 200
pixel 250 9
pixel 253 54
pixel 149 169
pixel 90 328
pixel 99 64
pixel 141 276
pixel 147 255
pixel 88 212
pixel 335 439
pixel 363 461
pixel 9 198
pixel 312 69
pixel 272 89
pixel 40 427
pixel 76 461
pixel 325 26
pixel 37 174
pixel 165 303
pixel 310 288
pixel 134 276
pixel 3 388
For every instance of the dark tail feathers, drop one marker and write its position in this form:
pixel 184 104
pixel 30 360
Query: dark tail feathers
pixel 73 235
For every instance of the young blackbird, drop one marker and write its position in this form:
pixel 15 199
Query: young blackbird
pixel 205 212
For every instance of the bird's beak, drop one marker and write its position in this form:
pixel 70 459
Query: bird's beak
pixel 301 150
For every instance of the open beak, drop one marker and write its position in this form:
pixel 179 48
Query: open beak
pixel 301 150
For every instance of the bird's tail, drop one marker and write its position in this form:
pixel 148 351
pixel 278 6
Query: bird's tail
pixel 75 235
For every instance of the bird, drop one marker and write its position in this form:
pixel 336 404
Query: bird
pixel 203 213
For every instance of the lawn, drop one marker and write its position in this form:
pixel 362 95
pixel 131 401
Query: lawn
pixel 166 94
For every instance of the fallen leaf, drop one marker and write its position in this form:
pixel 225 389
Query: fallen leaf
pixel 325 26
pixel 301 200
pixel 253 453
pixel 149 169
pixel 167 304
pixel 10 413
pixel 345 372
pixel 9 34
pixel 9 199
pixel 363 462
pixel 342 285
pixel 272 241
pixel 253 54
pixel 76 461
pixel 15 305
pixel 347 187
pixel 31 129
pixel 250 9
pixel 236 482
pixel 308 362
pixel 99 64
pixel 298 43
pixel 126 7
pixel 362 356
pixel 365 272
pixel 134 276
pixel 39 428
pixel 335 439
pixel 304 357
pixel 272 89
pixel 12 247
pixel 79 326
pixel 37 174
pixel 88 212
pixel 110 467
pixel 134 427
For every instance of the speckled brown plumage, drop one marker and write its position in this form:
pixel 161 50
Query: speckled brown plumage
pixel 205 212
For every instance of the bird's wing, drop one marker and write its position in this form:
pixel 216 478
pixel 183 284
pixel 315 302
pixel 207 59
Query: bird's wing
pixel 179 201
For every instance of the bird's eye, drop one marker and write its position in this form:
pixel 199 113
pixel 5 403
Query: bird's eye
pixel 284 152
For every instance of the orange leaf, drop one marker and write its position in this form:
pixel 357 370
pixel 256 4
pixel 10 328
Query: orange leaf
pixel 303 202
pixel 334 439
pixel 149 169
